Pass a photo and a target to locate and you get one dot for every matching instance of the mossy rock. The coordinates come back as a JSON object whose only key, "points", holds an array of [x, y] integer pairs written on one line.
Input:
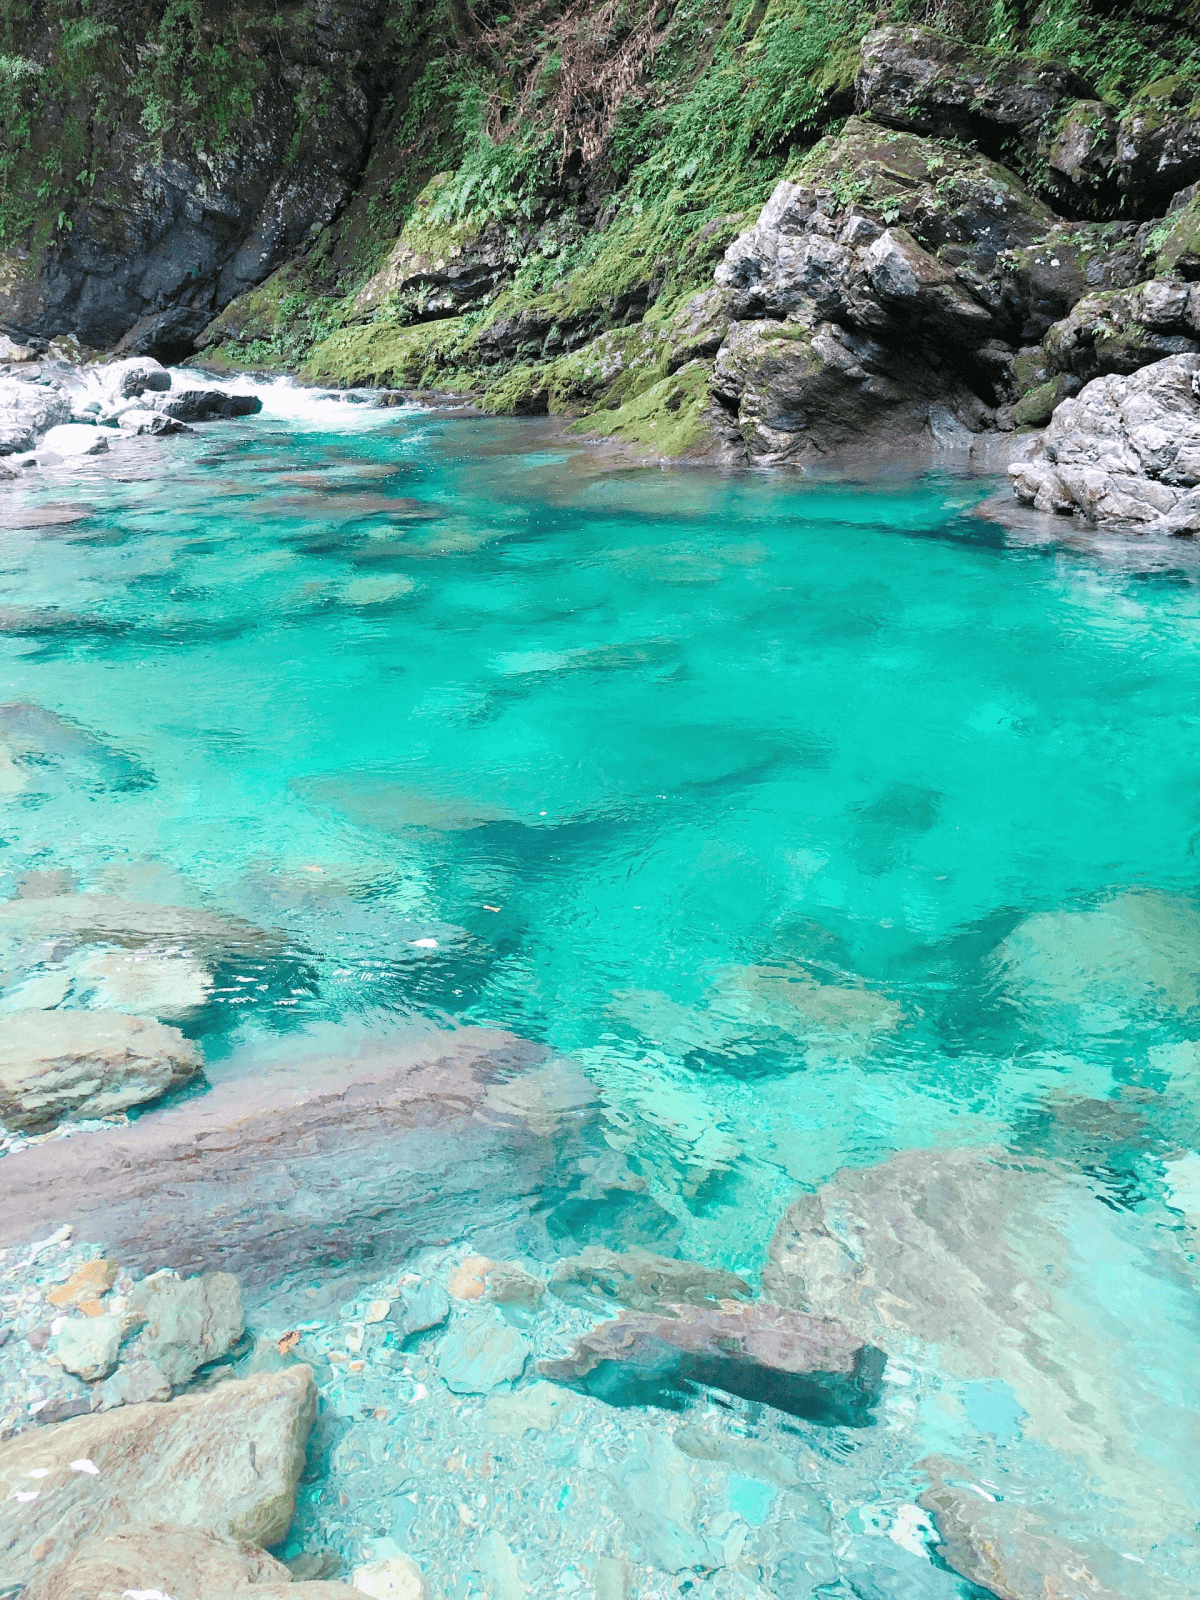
{"points": [[667, 421], [1178, 254], [384, 354], [1035, 409]]}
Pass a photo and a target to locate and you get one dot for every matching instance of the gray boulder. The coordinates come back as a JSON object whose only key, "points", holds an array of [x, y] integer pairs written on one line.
{"points": [[86, 1064], [88, 1346], [809, 1366], [1158, 142], [1126, 449], [225, 1461], [916, 78], [1120, 330], [131, 378], [186, 1322]]}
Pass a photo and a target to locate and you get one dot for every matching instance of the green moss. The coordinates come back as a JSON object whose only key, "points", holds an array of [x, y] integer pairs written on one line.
{"points": [[381, 353], [667, 420], [1034, 410], [1177, 247]]}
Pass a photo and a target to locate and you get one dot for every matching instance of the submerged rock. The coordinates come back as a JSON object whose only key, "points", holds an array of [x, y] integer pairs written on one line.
{"points": [[809, 1366], [652, 1491], [225, 1461], [991, 1267], [391, 1579], [162, 1557], [478, 1353], [1127, 449], [87, 1064], [88, 1346], [185, 1322], [1102, 967], [419, 1307], [641, 1279]]}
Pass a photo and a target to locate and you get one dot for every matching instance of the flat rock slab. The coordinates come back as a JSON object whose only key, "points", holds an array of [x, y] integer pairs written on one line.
{"points": [[641, 1279], [86, 1064], [479, 1353], [1012, 1551], [808, 1366], [225, 1460], [297, 1172]]}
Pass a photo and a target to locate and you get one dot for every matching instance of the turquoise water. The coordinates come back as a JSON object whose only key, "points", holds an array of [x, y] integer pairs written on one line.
{"points": [[812, 822]]}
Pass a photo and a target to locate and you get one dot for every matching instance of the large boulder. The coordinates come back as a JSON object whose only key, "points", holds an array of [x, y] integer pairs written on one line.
{"points": [[198, 404], [641, 1279], [1126, 449], [809, 1366], [1120, 330], [29, 408], [86, 1064], [225, 1461], [167, 1558]]}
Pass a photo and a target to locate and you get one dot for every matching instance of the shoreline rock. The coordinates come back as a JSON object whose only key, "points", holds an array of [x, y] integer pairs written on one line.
{"points": [[1125, 450], [225, 1461]]}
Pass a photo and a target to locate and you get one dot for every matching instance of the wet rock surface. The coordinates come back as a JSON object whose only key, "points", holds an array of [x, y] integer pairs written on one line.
{"points": [[90, 1064], [641, 1279]]}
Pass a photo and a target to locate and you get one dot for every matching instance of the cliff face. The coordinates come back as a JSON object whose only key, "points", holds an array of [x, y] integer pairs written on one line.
{"points": [[762, 229]]}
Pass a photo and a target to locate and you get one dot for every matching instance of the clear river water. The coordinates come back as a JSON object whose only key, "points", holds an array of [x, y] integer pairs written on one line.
{"points": [[811, 826]]}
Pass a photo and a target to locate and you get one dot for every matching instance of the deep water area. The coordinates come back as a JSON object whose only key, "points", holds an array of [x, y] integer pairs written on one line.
{"points": [[710, 835]]}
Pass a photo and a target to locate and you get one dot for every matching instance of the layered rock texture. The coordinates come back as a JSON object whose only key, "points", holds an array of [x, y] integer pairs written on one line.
{"points": [[756, 235]]}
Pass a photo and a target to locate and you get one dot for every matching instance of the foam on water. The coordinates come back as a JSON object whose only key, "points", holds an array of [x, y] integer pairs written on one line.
{"points": [[813, 822]]}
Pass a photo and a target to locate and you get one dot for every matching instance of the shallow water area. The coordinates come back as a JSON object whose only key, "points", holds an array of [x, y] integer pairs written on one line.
{"points": [[645, 849]]}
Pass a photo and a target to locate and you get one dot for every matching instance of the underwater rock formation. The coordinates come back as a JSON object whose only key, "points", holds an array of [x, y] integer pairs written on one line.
{"points": [[809, 1366]]}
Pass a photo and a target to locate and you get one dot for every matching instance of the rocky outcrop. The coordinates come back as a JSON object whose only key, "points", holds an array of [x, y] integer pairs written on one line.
{"points": [[1158, 142], [86, 1064], [175, 1561], [30, 405], [225, 1461], [809, 1366], [919, 79], [1121, 330], [1126, 449], [170, 230]]}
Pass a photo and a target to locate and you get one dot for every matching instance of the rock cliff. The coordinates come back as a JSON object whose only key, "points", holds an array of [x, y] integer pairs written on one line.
{"points": [[745, 231]]}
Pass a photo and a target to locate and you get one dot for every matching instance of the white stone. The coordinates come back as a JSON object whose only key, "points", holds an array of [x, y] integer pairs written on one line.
{"points": [[391, 1579], [88, 1346], [72, 439]]}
